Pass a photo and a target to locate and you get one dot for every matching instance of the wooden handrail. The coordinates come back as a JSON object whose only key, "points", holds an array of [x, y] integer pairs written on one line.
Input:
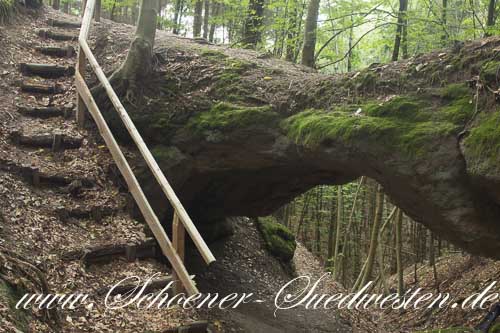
{"points": [[148, 157], [85, 99]]}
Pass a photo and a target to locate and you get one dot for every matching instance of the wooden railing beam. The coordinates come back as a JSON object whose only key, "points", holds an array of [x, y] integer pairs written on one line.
{"points": [[134, 187], [148, 157]]}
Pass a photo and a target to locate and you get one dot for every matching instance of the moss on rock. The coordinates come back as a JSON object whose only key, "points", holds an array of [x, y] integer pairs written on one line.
{"points": [[482, 145], [404, 123], [279, 241], [226, 117], [490, 71]]}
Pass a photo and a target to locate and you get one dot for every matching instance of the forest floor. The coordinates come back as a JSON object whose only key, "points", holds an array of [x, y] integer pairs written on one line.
{"points": [[459, 274]]}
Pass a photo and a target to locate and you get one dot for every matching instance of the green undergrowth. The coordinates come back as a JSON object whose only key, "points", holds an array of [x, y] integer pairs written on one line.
{"points": [[483, 142], [490, 71], [7, 8], [407, 123], [226, 117], [279, 241]]}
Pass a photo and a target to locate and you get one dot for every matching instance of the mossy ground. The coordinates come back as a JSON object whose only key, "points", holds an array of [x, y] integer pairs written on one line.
{"points": [[406, 123], [279, 241]]}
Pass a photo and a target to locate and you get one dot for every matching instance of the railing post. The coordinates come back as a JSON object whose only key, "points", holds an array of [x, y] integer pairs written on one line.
{"points": [[81, 108], [178, 242]]}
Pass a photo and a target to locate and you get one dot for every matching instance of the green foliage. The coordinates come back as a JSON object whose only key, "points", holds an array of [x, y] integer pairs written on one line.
{"points": [[226, 117], [405, 123], [279, 241], [490, 71], [483, 142], [7, 8]]}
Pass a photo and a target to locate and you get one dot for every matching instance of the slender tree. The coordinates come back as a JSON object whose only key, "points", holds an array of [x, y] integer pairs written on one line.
{"points": [[399, 244], [198, 18], [403, 7], [253, 26], [309, 46], [490, 22], [206, 18], [370, 260]]}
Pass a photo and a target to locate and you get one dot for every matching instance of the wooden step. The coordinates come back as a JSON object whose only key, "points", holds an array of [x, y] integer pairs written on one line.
{"points": [[63, 24], [41, 88], [95, 213], [34, 176], [55, 141], [55, 51], [48, 34], [107, 253], [46, 70], [152, 286], [45, 112]]}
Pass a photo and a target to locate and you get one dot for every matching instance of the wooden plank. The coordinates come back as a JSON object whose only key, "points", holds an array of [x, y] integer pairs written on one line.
{"points": [[148, 157], [88, 10], [178, 240], [134, 187]]}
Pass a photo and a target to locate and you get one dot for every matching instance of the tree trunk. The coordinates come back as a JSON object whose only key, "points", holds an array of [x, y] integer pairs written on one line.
{"points": [[444, 20], [491, 17], [310, 33], [138, 63], [206, 18], [399, 244], [197, 18], [177, 16], [215, 12], [370, 260], [340, 212], [97, 11], [331, 231], [252, 33], [291, 36], [56, 4], [403, 6]]}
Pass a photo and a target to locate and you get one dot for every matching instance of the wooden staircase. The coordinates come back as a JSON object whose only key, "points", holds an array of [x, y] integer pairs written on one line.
{"points": [[172, 249]]}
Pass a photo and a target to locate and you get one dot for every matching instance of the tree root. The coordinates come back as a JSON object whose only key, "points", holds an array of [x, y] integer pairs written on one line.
{"points": [[18, 272]]}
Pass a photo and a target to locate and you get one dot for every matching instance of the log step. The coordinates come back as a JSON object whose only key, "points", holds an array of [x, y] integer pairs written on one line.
{"points": [[46, 70], [45, 112], [48, 34], [79, 212], [34, 176], [63, 24], [41, 88], [55, 141], [107, 253], [54, 51], [152, 286]]}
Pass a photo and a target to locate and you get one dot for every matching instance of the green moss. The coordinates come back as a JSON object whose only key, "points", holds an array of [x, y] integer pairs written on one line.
{"points": [[405, 123], [455, 91], [279, 241], [490, 71], [213, 55], [483, 142], [227, 116], [495, 329]]}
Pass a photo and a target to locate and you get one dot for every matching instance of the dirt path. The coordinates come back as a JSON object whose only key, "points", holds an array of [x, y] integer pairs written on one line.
{"points": [[245, 266]]}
